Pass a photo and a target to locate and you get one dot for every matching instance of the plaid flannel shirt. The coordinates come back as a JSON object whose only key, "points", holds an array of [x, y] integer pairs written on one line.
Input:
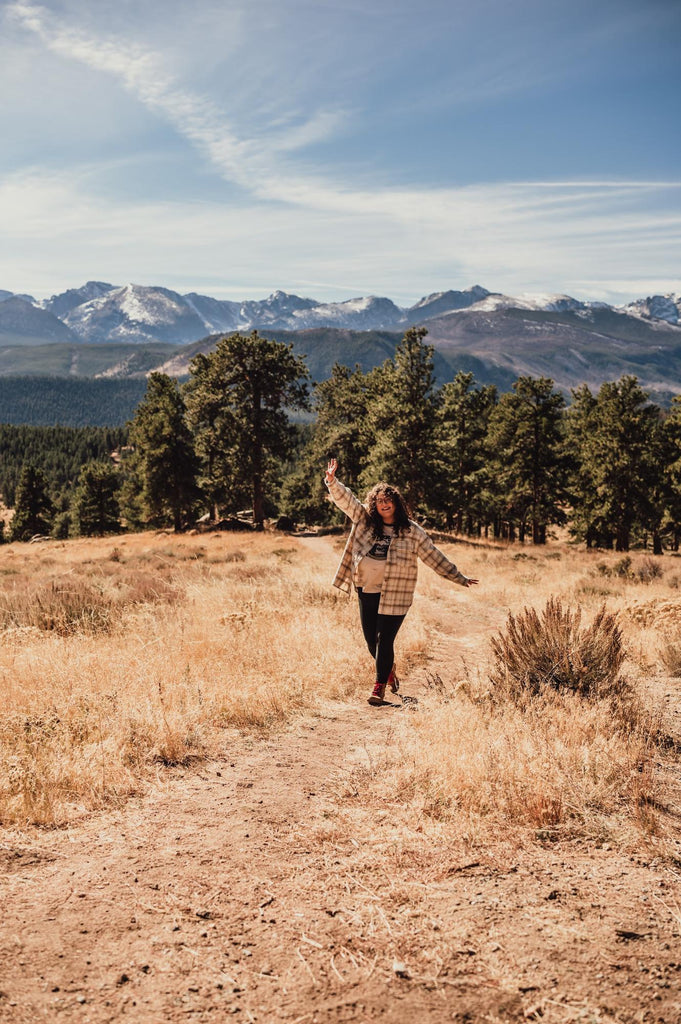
{"points": [[401, 568]]}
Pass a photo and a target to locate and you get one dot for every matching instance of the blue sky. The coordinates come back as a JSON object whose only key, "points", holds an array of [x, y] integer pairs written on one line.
{"points": [[341, 149]]}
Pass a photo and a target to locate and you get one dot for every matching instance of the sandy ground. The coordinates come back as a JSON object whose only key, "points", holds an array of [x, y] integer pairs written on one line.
{"points": [[262, 887]]}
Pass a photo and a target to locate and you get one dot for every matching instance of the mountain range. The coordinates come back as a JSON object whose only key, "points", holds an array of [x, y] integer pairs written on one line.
{"points": [[104, 330]]}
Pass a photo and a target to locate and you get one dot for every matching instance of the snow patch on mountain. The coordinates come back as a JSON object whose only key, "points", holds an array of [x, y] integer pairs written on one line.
{"points": [[656, 307], [62, 304], [360, 314], [544, 303], [136, 313]]}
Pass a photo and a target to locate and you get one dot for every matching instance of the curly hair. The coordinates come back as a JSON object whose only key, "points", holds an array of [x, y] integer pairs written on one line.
{"points": [[401, 523]]}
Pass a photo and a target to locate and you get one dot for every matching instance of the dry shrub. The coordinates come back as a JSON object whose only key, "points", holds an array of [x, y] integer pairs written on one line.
{"points": [[649, 569], [548, 650], [148, 588], [63, 606], [658, 613], [670, 654]]}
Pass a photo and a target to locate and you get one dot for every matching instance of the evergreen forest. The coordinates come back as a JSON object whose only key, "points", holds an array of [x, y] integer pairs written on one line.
{"points": [[69, 401], [516, 465]]}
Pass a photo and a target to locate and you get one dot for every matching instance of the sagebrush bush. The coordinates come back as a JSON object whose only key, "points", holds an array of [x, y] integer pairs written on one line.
{"points": [[538, 652], [670, 653], [649, 569], [63, 606]]}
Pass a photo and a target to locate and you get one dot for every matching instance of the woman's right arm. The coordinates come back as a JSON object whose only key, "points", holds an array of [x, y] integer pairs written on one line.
{"points": [[342, 495]]}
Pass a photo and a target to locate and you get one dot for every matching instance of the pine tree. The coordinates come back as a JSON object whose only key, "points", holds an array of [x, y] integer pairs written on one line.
{"points": [[96, 510], [463, 423], [527, 465], [579, 424], [34, 508], [402, 419], [341, 431], [163, 468], [616, 461], [237, 401], [670, 471]]}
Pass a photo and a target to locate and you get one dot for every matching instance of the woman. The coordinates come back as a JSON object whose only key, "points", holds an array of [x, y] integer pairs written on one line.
{"points": [[380, 559]]}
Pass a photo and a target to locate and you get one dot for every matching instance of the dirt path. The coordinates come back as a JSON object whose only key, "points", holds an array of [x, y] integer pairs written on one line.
{"points": [[259, 887]]}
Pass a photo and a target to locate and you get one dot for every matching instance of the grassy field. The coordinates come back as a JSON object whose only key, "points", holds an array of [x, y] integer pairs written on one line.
{"points": [[122, 656]]}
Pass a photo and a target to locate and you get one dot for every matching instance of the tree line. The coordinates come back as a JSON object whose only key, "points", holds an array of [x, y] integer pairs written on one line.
{"points": [[467, 458]]}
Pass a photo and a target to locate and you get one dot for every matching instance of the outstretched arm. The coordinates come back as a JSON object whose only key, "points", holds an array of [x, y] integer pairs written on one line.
{"points": [[341, 495], [437, 560]]}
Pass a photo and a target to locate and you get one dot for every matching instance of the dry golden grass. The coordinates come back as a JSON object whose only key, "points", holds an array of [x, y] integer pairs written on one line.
{"points": [[119, 657]]}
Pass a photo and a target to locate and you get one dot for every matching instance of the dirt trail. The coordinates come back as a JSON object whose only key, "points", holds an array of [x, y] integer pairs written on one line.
{"points": [[239, 890]]}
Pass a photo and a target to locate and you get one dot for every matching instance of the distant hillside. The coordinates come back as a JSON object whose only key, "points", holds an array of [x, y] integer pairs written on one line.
{"points": [[78, 360], [321, 348], [50, 401], [572, 347], [21, 323]]}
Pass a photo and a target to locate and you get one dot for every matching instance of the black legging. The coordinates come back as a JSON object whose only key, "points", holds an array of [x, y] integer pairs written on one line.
{"points": [[379, 632]]}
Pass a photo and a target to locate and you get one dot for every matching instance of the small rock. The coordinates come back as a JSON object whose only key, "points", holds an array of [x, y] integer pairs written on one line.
{"points": [[400, 969]]}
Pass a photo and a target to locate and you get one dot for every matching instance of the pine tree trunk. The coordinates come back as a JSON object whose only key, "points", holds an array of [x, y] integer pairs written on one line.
{"points": [[622, 540]]}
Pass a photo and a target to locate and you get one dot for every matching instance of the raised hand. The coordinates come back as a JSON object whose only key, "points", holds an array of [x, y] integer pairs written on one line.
{"points": [[331, 471]]}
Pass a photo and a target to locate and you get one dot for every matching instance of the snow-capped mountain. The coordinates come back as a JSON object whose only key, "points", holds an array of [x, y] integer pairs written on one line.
{"points": [[657, 307], [445, 302], [275, 310], [62, 304], [362, 314], [99, 312], [547, 303], [136, 314]]}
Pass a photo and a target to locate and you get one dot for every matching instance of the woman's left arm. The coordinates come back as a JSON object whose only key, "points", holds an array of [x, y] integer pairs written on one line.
{"points": [[437, 560]]}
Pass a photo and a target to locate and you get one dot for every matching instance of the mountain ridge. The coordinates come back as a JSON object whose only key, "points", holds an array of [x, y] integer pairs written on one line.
{"points": [[99, 312], [127, 332]]}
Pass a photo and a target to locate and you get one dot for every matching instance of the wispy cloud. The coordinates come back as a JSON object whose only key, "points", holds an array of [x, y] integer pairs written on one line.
{"points": [[319, 226], [482, 236], [246, 162]]}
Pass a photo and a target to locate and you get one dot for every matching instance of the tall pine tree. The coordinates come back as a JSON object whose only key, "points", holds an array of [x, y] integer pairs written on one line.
{"points": [[402, 417], [615, 461], [34, 509], [463, 422], [96, 510], [527, 465], [162, 471], [237, 400]]}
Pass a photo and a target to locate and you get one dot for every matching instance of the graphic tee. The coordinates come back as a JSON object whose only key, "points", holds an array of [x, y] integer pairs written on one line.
{"points": [[371, 568]]}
